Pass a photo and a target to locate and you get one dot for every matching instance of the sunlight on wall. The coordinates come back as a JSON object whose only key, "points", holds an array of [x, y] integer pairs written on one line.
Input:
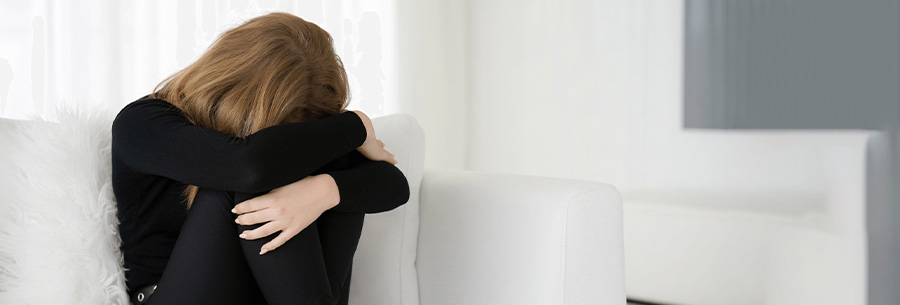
{"points": [[109, 54]]}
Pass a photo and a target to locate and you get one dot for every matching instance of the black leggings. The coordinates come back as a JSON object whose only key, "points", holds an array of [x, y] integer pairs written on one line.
{"points": [[210, 264]]}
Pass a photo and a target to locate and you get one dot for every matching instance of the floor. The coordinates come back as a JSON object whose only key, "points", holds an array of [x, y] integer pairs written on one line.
{"points": [[639, 302]]}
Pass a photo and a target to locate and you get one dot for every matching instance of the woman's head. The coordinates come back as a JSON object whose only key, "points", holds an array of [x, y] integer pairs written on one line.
{"points": [[272, 69]]}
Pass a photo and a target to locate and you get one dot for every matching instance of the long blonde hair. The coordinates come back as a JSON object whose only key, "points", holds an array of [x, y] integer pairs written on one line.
{"points": [[273, 69]]}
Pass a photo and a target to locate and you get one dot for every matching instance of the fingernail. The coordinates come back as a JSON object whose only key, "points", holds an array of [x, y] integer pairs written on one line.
{"points": [[263, 251], [236, 220], [234, 211], [243, 235]]}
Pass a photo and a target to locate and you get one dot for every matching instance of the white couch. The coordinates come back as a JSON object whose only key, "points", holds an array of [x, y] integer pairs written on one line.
{"points": [[751, 217], [463, 238]]}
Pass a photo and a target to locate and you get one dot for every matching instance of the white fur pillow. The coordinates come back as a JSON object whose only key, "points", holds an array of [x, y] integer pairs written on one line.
{"points": [[59, 242]]}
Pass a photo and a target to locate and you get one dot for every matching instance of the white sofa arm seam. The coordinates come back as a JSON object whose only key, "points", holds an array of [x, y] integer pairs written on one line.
{"points": [[566, 238]]}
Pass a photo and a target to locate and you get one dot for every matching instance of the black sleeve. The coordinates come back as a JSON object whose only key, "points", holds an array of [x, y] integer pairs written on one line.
{"points": [[370, 187], [364, 186], [154, 137]]}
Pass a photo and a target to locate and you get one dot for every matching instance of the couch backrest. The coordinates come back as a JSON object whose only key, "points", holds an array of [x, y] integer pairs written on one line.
{"points": [[384, 270]]}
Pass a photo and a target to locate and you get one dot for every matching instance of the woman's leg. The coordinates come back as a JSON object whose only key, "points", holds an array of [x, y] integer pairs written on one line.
{"points": [[336, 235], [339, 234], [210, 264], [207, 265], [294, 273]]}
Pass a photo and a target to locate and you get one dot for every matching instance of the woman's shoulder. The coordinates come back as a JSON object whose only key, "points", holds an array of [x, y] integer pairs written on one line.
{"points": [[148, 101], [143, 111], [146, 105]]}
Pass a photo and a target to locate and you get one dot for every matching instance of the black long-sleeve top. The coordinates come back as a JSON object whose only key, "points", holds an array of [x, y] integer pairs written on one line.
{"points": [[157, 152]]}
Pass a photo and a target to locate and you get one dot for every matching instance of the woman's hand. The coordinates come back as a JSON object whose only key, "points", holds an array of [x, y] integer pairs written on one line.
{"points": [[375, 151], [289, 209], [372, 148]]}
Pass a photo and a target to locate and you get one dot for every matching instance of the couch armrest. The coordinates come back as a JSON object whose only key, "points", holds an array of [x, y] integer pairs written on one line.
{"points": [[512, 239]]}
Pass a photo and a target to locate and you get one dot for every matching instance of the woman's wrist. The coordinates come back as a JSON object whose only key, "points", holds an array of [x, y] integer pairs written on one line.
{"points": [[332, 195], [367, 122]]}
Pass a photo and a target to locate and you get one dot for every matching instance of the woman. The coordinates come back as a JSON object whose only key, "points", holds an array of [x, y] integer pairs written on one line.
{"points": [[243, 179]]}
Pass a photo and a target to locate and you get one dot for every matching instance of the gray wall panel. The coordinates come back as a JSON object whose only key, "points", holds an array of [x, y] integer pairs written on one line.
{"points": [[770, 64]]}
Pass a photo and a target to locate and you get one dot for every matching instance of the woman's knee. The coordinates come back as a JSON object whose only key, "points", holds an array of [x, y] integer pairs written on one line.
{"points": [[213, 201]]}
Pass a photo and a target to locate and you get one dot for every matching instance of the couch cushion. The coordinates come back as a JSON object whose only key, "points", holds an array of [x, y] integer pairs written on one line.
{"points": [[384, 266]]}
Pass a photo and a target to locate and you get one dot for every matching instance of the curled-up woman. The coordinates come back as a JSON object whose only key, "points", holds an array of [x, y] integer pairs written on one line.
{"points": [[243, 179]]}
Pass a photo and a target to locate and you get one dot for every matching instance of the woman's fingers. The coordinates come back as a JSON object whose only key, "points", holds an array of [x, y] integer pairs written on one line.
{"points": [[279, 240], [386, 156], [390, 158], [250, 205], [262, 231], [255, 217]]}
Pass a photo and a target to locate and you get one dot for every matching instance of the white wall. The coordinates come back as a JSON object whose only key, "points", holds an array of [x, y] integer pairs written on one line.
{"points": [[434, 69], [573, 88]]}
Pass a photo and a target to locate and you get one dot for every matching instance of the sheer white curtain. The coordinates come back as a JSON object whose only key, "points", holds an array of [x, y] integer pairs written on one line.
{"points": [[109, 53]]}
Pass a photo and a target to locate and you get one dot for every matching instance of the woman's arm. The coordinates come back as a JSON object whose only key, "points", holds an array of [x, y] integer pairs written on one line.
{"points": [[370, 187], [366, 187], [154, 137]]}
